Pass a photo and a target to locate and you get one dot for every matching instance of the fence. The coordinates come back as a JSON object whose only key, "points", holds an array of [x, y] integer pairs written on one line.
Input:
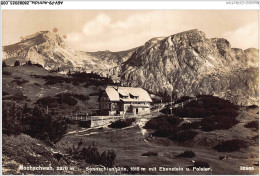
{"points": [[79, 117], [95, 120], [183, 103], [103, 120]]}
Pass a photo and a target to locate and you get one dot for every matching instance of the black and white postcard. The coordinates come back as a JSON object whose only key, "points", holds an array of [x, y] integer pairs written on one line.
{"points": [[130, 88]]}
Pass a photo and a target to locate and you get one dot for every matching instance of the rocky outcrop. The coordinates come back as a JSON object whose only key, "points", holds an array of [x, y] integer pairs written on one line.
{"points": [[188, 64], [51, 51]]}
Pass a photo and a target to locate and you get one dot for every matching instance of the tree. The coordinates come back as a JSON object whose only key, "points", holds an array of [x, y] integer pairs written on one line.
{"points": [[69, 72], [29, 62], [10, 120], [25, 110], [4, 64], [17, 63]]}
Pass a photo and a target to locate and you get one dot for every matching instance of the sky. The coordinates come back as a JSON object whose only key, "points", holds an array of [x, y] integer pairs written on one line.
{"points": [[118, 30]]}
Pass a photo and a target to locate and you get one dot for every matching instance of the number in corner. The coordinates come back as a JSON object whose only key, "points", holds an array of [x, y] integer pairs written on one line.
{"points": [[4, 2]]}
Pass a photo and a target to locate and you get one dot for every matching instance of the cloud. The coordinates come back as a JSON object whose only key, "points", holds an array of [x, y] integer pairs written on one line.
{"points": [[97, 26], [243, 37], [74, 37], [109, 32], [103, 33]]}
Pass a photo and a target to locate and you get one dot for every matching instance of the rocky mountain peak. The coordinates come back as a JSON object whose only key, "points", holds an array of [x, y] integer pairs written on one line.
{"points": [[38, 48], [49, 37], [51, 51], [40, 39], [189, 63]]}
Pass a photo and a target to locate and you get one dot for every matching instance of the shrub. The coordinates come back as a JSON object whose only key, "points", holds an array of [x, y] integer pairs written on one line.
{"points": [[6, 73], [231, 145], [91, 79], [29, 62], [227, 112], [84, 124], [255, 138], [162, 122], [20, 82], [187, 154], [10, 122], [17, 63], [182, 99], [152, 123], [79, 96], [195, 104], [69, 73], [165, 131], [66, 98], [48, 101], [92, 155], [33, 122], [51, 80], [184, 135], [4, 64], [69, 121], [188, 126], [58, 99], [174, 134], [201, 164], [165, 125], [16, 97], [217, 123], [42, 126], [38, 65], [210, 101], [191, 112], [252, 107], [17, 77], [205, 106], [4, 93], [149, 153], [122, 123], [252, 124], [77, 78]]}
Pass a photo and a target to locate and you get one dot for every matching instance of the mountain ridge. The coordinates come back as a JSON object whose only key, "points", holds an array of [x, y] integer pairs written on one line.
{"points": [[51, 51], [186, 63]]}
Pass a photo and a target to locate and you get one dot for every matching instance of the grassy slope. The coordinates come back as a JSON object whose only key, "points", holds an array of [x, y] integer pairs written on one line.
{"points": [[35, 88], [129, 145], [29, 152], [32, 151]]}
